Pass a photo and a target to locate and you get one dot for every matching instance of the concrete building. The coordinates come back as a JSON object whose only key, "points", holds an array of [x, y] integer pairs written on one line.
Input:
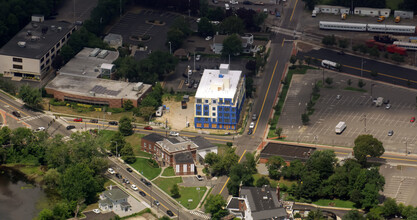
{"points": [[29, 54], [114, 40], [330, 9], [256, 203], [114, 199], [247, 43], [219, 98], [404, 14], [286, 151], [178, 152], [78, 81], [372, 11]]}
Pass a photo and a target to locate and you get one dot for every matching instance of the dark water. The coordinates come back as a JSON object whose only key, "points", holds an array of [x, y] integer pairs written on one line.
{"points": [[18, 195]]}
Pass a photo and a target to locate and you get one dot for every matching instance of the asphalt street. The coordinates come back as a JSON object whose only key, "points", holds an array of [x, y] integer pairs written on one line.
{"points": [[352, 64]]}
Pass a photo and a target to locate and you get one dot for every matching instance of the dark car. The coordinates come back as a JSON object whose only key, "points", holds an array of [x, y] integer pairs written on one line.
{"points": [[250, 131], [113, 123], [142, 193], [247, 3], [129, 169], [143, 180], [148, 183], [69, 127], [341, 52], [386, 101], [94, 121], [17, 114], [169, 212], [110, 154], [118, 176]]}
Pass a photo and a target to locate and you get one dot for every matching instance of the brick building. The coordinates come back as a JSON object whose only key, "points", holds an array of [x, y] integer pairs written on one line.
{"points": [[286, 151]]}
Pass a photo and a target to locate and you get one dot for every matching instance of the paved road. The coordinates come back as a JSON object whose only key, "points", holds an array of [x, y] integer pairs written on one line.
{"points": [[351, 64], [152, 193]]}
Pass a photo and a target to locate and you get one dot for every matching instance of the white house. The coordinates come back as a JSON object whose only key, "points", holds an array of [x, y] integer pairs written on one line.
{"points": [[114, 199], [203, 147], [247, 43], [330, 9], [372, 11], [404, 14]]}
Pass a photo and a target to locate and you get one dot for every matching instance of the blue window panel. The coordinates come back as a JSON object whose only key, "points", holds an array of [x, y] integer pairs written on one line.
{"points": [[220, 108], [206, 113], [198, 107], [198, 112]]}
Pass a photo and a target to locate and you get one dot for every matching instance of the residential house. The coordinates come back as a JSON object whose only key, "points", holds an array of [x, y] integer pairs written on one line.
{"points": [[203, 147], [114, 199], [247, 43]]}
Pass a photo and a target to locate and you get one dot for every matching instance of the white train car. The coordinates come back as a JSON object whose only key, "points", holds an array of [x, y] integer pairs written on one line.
{"points": [[342, 26], [401, 29], [377, 28], [406, 45]]}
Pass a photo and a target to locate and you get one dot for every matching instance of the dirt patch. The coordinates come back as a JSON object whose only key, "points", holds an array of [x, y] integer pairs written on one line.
{"points": [[146, 216]]}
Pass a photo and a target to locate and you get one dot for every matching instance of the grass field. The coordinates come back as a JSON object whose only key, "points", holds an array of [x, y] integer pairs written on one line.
{"points": [[142, 166], [134, 140], [335, 203], [167, 183], [169, 171]]}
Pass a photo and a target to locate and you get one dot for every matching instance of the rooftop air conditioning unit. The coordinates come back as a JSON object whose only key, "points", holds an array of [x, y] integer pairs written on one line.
{"points": [[95, 52], [103, 54]]}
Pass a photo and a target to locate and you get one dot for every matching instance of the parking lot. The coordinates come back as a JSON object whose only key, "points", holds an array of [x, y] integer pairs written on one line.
{"points": [[355, 108], [399, 183]]}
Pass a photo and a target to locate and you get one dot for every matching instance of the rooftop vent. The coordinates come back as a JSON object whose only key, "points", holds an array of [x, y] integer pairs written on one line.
{"points": [[95, 52], [103, 54], [53, 27], [21, 44], [59, 28], [265, 197]]}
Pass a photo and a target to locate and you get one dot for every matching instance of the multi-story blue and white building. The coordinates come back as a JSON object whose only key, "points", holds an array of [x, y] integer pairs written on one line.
{"points": [[219, 98]]}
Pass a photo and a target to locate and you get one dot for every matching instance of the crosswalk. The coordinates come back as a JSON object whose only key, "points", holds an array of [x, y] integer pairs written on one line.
{"points": [[30, 118], [201, 214]]}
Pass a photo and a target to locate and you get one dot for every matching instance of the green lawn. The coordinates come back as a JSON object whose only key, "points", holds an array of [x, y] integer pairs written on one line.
{"points": [[273, 182], [221, 148], [185, 192], [393, 4], [169, 171], [355, 89], [140, 153], [134, 140], [335, 203], [142, 166]]}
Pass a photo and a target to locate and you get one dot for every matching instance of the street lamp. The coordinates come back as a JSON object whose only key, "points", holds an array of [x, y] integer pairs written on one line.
{"points": [[170, 50], [362, 66], [116, 147], [372, 86]]}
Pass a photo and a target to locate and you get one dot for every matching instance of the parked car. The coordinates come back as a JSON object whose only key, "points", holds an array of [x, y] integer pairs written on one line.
{"points": [[250, 131], [148, 128], [118, 175], [247, 3], [199, 177], [413, 119], [252, 125], [134, 187], [195, 85], [278, 15], [169, 212], [142, 193], [148, 183], [113, 123], [17, 114], [338, 97], [78, 119], [111, 171], [390, 133], [97, 211], [40, 129], [69, 127], [388, 106], [254, 117], [94, 121], [156, 203], [341, 52], [173, 133], [129, 169], [209, 38], [198, 57], [126, 181]]}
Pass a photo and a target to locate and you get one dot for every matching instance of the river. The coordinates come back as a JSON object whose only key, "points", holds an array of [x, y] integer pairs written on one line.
{"points": [[18, 195]]}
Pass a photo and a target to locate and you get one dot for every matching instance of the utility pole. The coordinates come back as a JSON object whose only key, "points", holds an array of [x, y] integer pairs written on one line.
{"points": [[120, 8]]}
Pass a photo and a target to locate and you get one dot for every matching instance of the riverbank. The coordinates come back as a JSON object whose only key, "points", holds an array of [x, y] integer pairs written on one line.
{"points": [[32, 172]]}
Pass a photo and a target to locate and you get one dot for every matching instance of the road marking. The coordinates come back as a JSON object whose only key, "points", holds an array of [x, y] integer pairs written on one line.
{"points": [[187, 135], [228, 178], [266, 95], [295, 5], [14, 107], [283, 40]]}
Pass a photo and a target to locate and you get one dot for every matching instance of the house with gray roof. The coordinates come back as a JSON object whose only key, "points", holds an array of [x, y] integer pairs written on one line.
{"points": [[203, 147], [114, 199]]}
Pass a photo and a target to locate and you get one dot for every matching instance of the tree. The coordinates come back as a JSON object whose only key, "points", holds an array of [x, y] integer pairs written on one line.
{"points": [[232, 25], [125, 126], [212, 158], [315, 215], [278, 131], [181, 24], [353, 215], [305, 119], [293, 59], [51, 178], [175, 36], [397, 58], [232, 45], [329, 81], [390, 208], [215, 206], [128, 105], [409, 5], [310, 4], [343, 43], [262, 182], [146, 112], [374, 52], [250, 163], [274, 165], [205, 27], [46, 214], [31, 96], [323, 162], [329, 40], [175, 191], [294, 171], [367, 145], [239, 174], [370, 196], [361, 83], [117, 142]]}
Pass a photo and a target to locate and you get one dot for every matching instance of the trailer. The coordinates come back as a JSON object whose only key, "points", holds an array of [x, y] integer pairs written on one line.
{"points": [[340, 127], [406, 45]]}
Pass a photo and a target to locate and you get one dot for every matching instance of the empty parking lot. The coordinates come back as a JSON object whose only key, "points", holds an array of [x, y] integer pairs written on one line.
{"points": [[355, 108]]}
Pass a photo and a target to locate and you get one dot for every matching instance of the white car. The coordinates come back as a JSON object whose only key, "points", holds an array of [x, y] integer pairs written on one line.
{"points": [[199, 177], [198, 57], [97, 211], [40, 129], [111, 171], [208, 38], [134, 187], [252, 125], [198, 20], [173, 133], [234, 2], [388, 106]]}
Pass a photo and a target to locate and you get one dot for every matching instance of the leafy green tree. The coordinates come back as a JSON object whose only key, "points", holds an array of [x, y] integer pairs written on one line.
{"points": [[164, 218], [390, 208], [353, 215], [315, 215], [375, 213], [262, 182], [212, 158], [293, 59], [183, 25], [294, 171], [31, 96], [239, 174], [128, 105], [374, 52], [232, 45], [117, 142], [361, 83], [340, 184], [397, 58], [205, 27], [310, 186], [305, 119], [125, 126], [62, 210], [215, 206], [370, 196], [329, 40], [322, 162], [329, 81], [46, 214], [176, 37], [250, 88], [274, 165], [367, 145], [127, 150], [278, 131], [343, 43], [146, 112], [215, 14], [175, 191], [250, 162], [310, 4], [51, 178], [232, 25]]}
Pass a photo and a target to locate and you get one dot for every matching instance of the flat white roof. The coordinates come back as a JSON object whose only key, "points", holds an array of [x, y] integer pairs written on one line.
{"points": [[216, 85]]}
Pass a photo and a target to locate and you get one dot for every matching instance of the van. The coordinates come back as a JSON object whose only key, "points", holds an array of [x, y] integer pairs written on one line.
{"points": [[397, 19], [340, 127], [227, 6], [381, 18], [159, 112], [343, 16], [314, 14]]}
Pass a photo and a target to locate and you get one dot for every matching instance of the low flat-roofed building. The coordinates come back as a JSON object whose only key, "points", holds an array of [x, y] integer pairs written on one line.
{"points": [[286, 151], [29, 54], [114, 40], [77, 81]]}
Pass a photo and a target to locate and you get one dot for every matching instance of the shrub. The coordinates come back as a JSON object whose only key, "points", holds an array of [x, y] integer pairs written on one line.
{"points": [[56, 102], [129, 159], [153, 163]]}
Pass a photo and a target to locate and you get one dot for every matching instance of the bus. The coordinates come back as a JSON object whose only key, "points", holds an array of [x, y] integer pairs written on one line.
{"points": [[331, 65]]}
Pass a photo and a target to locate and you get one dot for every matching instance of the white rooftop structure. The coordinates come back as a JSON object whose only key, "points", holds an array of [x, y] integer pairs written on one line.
{"points": [[221, 83]]}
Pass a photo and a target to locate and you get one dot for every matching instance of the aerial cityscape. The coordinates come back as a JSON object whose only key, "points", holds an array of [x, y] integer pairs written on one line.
{"points": [[208, 109]]}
